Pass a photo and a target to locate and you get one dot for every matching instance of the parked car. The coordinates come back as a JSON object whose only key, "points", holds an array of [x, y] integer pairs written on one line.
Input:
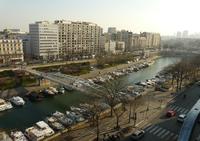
{"points": [[181, 118], [137, 135], [170, 113]]}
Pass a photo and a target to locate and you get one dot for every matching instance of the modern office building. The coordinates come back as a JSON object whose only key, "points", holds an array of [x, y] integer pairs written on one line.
{"points": [[44, 40], [11, 51], [78, 39]]}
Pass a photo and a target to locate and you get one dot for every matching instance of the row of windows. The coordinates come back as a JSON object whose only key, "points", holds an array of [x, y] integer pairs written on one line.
{"points": [[9, 45]]}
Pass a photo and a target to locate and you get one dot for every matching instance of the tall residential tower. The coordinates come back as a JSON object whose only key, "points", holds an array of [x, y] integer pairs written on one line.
{"points": [[78, 39]]}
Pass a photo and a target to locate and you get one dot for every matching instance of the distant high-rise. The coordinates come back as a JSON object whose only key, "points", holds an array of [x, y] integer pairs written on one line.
{"points": [[185, 34], [125, 36], [112, 30], [178, 35], [44, 40]]}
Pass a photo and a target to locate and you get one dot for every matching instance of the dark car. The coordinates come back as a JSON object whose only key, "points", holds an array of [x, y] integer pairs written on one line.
{"points": [[170, 113], [137, 135]]}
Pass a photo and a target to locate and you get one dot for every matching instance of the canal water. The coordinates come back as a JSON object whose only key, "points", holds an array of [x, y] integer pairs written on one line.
{"points": [[23, 117]]}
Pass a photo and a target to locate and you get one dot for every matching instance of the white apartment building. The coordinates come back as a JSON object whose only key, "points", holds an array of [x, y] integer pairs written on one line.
{"points": [[110, 46], [11, 51], [78, 39], [44, 40], [120, 47]]}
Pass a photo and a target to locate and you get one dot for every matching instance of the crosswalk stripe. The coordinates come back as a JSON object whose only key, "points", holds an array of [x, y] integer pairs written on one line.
{"points": [[172, 106], [170, 135], [149, 127], [153, 129], [175, 137], [179, 109], [165, 134], [182, 111], [157, 130], [161, 132], [186, 111], [175, 108]]}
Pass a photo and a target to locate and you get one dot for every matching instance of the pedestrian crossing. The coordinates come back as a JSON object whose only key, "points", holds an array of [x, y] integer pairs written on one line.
{"points": [[179, 109], [161, 133]]}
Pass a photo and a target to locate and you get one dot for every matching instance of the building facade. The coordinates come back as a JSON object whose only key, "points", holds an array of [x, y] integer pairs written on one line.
{"points": [[78, 39], [11, 51], [112, 30], [17, 34], [113, 47], [146, 40], [44, 40], [110, 47]]}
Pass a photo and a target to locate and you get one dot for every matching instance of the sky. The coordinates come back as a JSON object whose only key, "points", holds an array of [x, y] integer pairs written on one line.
{"points": [[163, 16]]}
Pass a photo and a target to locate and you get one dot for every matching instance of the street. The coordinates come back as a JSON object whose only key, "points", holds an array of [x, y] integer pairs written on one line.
{"points": [[167, 129]]}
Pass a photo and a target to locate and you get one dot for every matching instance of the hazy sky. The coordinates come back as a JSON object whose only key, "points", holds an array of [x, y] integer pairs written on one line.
{"points": [[164, 16]]}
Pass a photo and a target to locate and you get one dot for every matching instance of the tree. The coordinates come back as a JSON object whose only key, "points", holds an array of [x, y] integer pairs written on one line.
{"points": [[187, 70], [95, 109], [113, 98]]}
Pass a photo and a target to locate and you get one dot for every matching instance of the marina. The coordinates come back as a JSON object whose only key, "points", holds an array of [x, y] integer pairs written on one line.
{"points": [[31, 113]]}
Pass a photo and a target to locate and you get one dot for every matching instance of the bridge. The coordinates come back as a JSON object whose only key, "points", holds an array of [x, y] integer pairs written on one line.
{"points": [[71, 82]]}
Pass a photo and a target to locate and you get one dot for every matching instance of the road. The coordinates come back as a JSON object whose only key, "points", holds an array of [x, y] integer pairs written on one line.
{"points": [[167, 129], [31, 66]]}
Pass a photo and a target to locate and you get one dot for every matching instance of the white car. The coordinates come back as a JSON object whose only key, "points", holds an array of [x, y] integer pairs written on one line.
{"points": [[181, 118], [137, 135]]}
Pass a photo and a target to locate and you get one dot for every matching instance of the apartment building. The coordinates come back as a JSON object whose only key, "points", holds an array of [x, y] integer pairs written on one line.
{"points": [[146, 40], [78, 39], [11, 51], [44, 40], [113, 47]]}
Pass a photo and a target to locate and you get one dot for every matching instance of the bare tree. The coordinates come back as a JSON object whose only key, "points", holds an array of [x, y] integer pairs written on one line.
{"points": [[187, 70], [112, 98], [95, 110]]}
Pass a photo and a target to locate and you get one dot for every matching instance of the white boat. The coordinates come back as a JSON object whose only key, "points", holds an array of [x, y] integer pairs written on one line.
{"points": [[61, 90], [58, 114], [53, 90], [66, 121], [5, 105], [53, 122], [48, 92], [18, 101], [75, 116], [18, 136]]}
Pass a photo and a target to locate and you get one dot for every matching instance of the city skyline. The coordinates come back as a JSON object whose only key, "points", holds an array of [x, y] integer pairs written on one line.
{"points": [[166, 17]]}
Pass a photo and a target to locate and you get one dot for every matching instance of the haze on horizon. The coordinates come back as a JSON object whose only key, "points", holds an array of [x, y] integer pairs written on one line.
{"points": [[164, 16]]}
